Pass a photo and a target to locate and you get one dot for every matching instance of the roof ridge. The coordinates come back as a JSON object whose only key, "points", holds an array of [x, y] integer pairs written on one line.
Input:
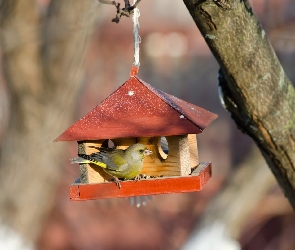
{"points": [[163, 96]]}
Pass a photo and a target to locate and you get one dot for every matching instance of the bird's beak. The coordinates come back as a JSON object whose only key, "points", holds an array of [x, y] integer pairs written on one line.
{"points": [[147, 152]]}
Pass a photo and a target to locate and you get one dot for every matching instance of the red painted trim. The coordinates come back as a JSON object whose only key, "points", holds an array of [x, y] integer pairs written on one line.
{"points": [[167, 185], [137, 109], [134, 71]]}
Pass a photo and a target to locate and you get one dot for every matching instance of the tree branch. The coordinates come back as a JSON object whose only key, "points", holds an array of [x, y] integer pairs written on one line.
{"points": [[126, 11], [256, 89]]}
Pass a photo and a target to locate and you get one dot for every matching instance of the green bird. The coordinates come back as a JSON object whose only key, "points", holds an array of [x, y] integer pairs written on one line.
{"points": [[118, 163]]}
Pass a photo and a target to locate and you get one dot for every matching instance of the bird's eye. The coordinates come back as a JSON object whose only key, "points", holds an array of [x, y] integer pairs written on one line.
{"points": [[141, 150]]}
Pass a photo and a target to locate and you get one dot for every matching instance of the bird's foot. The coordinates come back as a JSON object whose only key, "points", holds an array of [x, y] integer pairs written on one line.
{"points": [[117, 181], [137, 177]]}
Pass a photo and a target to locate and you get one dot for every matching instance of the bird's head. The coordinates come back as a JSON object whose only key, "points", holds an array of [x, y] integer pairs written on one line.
{"points": [[138, 151]]}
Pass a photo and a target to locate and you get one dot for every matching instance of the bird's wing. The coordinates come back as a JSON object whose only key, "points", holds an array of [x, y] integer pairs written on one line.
{"points": [[113, 158]]}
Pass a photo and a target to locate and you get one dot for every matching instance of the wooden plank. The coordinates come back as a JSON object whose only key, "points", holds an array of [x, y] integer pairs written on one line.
{"points": [[184, 154], [90, 173], [193, 150], [155, 164], [194, 182], [176, 164]]}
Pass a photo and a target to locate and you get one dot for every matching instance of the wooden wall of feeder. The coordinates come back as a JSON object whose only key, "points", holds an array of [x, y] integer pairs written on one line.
{"points": [[139, 113]]}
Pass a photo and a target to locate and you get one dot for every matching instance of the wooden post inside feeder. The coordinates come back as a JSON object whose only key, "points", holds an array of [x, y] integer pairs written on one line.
{"points": [[139, 113]]}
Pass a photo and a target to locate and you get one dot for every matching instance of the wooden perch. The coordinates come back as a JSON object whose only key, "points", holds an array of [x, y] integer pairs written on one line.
{"points": [[194, 182]]}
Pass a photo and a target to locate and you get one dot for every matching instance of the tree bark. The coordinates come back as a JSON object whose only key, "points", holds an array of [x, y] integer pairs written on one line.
{"points": [[255, 88], [43, 66]]}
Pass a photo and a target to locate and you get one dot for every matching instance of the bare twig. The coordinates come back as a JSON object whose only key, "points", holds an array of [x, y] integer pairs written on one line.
{"points": [[126, 11]]}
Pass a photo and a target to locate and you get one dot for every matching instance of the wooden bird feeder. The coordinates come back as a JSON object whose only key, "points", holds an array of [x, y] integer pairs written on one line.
{"points": [[139, 113]]}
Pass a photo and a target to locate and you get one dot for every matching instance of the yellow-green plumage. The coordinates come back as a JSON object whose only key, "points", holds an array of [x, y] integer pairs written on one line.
{"points": [[117, 162]]}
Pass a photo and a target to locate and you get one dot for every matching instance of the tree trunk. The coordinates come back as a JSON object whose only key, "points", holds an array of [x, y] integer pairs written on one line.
{"points": [[43, 68], [255, 87]]}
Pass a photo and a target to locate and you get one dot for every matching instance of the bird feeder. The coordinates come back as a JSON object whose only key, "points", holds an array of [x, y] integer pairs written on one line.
{"points": [[139, 113]]}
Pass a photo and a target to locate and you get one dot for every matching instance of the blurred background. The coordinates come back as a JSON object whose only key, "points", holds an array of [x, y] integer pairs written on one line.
{"points": [[242, 195]]}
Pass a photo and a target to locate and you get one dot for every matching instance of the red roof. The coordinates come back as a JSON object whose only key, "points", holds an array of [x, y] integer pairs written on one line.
{"points": [[137, 109]]}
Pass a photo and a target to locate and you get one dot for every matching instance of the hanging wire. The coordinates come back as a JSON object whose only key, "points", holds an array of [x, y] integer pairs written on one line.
{"points": [[137, 38]]}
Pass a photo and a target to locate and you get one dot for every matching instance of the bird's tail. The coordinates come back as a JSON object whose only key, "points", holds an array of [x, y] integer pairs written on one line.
{"points": [[79, 160]]}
